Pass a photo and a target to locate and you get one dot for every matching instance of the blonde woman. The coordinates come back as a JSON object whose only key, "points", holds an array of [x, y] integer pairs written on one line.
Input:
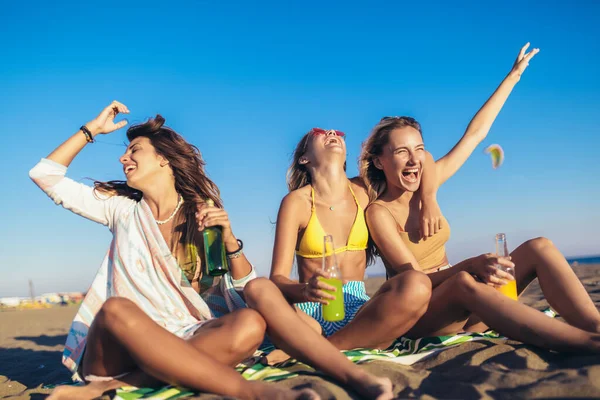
{"points": [[464, 296], [322, 200]]}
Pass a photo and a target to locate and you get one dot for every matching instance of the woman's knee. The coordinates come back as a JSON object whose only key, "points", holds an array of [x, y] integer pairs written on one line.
{"points": [[539, 244], [248, 328], [464, 282], [258, 289], [115, 311], [413, 285]]}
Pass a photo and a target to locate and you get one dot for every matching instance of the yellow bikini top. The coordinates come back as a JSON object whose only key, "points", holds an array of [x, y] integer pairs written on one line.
{"points": [[311, 243]]}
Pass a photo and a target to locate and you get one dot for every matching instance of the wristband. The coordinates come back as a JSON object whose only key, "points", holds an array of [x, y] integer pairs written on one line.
{"points": [[237, 253], [88, 135]]}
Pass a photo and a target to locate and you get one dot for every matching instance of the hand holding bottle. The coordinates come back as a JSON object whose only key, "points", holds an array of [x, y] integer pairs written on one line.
{"points": [[208, 215], [211, 222], [485, 268], [315, 289]]}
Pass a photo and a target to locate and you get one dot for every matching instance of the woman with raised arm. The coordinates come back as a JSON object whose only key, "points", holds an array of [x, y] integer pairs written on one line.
{"points": [[322, 200], [464, 296], [144, 321]]}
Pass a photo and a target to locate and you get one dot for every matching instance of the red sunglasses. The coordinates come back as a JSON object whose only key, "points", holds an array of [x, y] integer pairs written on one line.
{"points": [[319, 131]]}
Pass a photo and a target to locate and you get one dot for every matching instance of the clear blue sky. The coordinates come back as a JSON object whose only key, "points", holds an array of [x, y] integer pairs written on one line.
{"points": [[243, 81]]}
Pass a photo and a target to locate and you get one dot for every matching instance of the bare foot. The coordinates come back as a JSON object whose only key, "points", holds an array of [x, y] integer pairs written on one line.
{"points": [[272, 391], [373, 387], [277, 356], [75, 393]]}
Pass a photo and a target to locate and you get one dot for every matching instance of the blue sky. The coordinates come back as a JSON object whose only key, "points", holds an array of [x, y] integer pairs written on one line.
{"points": [[243, 81]]}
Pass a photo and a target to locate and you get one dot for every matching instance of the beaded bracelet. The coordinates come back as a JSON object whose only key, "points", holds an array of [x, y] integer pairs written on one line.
{"points": [[88, 135], [238, 252]]}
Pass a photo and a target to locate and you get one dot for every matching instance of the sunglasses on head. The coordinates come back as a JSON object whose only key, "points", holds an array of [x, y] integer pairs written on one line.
{"points": [[319, 131]]}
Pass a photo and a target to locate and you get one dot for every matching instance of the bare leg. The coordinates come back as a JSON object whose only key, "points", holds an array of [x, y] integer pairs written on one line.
{"points": [[232, 337], [561, 287], [93, 390], [474, 324], [392, 311], [309, 320], [298, 339], [278, 355], [460, 295], [124, 331]]}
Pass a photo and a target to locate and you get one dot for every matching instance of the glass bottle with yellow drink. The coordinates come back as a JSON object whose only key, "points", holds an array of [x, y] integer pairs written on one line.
{"points": [[334, 311], [510, 289]]}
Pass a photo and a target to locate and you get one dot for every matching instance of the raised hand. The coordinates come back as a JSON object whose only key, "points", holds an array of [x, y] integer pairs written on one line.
{"points": [[105, 121], [208, 216], [522, 61]]}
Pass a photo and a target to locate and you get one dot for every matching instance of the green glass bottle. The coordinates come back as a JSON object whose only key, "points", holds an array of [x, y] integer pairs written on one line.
{"points": [[335, 310], [215, 257]]}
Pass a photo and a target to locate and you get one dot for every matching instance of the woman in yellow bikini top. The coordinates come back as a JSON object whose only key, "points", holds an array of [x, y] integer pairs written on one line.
{"points": [[311, 244], [322, 200]]}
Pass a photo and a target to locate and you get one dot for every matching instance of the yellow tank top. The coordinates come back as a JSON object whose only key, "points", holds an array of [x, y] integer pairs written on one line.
{"points": [[311, 243], [429, 253]]}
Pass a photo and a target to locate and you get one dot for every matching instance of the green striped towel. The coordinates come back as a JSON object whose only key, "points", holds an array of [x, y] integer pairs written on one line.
{"points": [[404, 351]]}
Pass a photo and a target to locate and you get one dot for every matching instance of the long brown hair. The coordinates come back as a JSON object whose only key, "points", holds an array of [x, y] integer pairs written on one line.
{"points": [[372, 148], [373, 177], [186, 162], [297, 174]]}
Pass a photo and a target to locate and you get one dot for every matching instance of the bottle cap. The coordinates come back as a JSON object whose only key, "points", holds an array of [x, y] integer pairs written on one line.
{"points": [[210, 202]]}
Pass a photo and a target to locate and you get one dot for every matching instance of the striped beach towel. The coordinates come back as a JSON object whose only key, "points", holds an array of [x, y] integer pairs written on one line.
{"points": [[404, 351]]}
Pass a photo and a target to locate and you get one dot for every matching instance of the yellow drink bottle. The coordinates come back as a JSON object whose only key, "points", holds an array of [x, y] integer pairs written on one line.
{"points": [[334, 311], [510, 289]]}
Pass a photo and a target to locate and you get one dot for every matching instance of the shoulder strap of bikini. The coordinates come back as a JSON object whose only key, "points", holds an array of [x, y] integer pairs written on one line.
{"points": [[378, 203]]}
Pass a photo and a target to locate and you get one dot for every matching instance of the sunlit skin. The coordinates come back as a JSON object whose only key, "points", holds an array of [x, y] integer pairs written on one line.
{"points": [[465, 297], [121, 334], [387, 315]]}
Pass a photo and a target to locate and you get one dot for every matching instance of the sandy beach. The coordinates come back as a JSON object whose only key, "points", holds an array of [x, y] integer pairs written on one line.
{"points": [[31, 343]]}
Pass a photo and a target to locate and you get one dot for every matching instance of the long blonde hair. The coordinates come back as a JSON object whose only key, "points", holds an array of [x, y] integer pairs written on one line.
{"points": [[373, 177], [297, 174], [372, 148]]}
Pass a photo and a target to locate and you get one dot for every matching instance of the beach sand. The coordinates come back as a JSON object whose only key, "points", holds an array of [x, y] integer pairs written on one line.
{"points": [[31, 343]]}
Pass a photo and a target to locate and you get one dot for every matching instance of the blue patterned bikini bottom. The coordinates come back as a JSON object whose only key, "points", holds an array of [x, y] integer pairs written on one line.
{"points": [[355, 296]]}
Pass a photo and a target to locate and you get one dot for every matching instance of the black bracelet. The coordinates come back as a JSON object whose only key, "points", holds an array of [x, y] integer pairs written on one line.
{"points": [[88, 135], [241, 244]]}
